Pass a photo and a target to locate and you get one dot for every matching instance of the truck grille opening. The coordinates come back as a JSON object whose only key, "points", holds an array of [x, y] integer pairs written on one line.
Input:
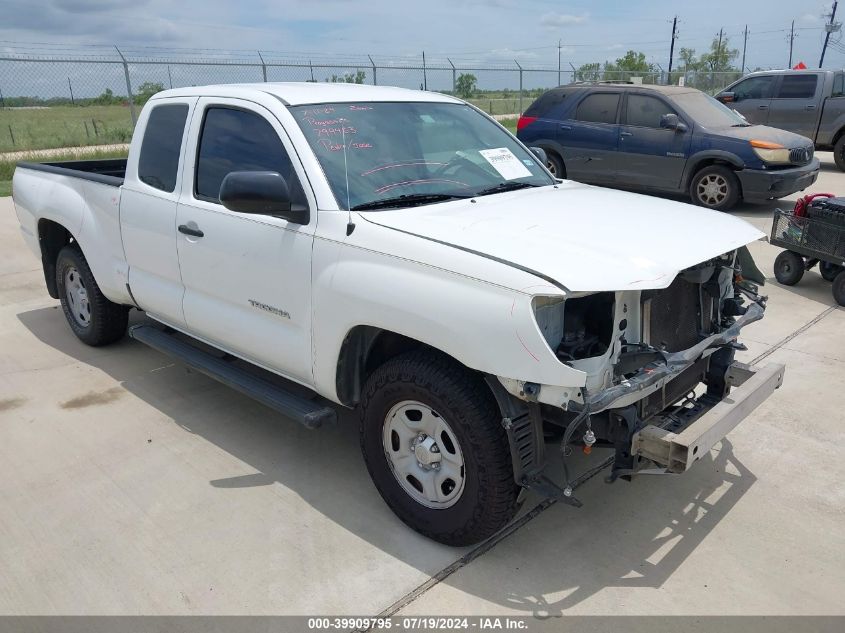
{"points": [[672, 317]]}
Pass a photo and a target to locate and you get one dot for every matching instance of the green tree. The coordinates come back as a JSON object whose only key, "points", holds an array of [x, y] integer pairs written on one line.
{"points": [[689, 62], [349, 78], [720, 57], [147, 90], [465, 85], [633, 62]]}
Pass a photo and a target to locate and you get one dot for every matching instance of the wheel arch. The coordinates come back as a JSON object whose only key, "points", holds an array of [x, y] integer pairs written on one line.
{"points": [[698, 162], [52, 237]]}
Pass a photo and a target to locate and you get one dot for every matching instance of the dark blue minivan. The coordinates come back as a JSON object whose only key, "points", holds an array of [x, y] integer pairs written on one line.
{"points": [[666, 139]]}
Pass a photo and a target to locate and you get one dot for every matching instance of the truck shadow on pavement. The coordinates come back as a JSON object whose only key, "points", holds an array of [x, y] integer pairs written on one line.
{"points": [[627, 535]]}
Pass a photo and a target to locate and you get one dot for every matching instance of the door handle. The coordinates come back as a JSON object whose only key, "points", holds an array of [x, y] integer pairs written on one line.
{"points": [[565, 127], [622, 134], [762, 107], [187, 230], [811, 107]]}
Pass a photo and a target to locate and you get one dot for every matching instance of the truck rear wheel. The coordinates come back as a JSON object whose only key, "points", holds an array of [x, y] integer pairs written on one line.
{"points": [[436, 451], [94, 319], [839, 153], [839, 288]]}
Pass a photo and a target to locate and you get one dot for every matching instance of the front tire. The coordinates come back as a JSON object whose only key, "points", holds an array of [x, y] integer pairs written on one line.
{"points": [[715, 187], [789, 268], [93, 318], [839, 153], [555, 165], [435, 449]]}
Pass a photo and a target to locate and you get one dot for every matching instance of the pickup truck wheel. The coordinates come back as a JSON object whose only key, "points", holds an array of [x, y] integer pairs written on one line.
{"points": [[715, 187], [789, 268], [839, 288], [435, 449], [839, 153], [94, 319]]}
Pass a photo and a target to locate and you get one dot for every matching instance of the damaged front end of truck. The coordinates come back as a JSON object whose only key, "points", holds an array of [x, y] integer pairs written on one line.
{"points": [[661, 386]]}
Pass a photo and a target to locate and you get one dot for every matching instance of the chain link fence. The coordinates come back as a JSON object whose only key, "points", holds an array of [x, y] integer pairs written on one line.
{"points": [[48, 101]]}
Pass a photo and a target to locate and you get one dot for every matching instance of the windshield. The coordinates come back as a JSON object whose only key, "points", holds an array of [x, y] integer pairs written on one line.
{"points": [[398, 154], [707, 112]]}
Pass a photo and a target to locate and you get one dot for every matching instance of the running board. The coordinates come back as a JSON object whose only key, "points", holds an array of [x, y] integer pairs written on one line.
{"points": [[310, 414]]}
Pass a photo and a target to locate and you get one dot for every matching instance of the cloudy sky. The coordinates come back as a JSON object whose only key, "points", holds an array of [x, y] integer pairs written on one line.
{"points": [[489, 30]]}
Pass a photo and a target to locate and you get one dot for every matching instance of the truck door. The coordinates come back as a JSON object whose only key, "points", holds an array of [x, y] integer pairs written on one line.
{"points": [[589, 138], [650, 155], [796, 103], [247, 277], [148, 201], [752, 98]]}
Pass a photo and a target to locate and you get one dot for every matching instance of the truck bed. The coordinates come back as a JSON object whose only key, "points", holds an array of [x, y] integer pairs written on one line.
{"points": [[107, 171]]}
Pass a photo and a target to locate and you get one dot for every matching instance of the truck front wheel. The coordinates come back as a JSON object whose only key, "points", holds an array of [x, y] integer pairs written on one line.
{"points": [[435, 448], [94, 319]]}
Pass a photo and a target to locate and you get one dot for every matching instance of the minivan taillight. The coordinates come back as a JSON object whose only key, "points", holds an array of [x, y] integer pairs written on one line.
{"points": [[525, 121]]}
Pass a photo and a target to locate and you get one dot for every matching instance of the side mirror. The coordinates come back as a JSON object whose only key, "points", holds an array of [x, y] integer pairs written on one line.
{"points": [[726, 97], [262, 193], [540, 153], [672, 122]]}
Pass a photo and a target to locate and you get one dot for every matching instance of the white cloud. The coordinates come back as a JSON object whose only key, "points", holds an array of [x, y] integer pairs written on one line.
{"points": [[556, 20]]}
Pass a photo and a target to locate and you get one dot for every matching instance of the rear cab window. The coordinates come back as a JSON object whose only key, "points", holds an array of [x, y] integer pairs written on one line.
{"points": [[161, 148], [838, 85], [598, 107], [798, 86], [232, 139]]}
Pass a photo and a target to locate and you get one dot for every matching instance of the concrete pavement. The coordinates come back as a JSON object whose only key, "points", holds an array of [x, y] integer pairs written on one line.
{"points": [[131, 486]]}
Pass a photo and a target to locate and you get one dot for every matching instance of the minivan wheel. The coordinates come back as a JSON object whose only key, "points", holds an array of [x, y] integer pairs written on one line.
{"points": [[555, 165], [715, 187], [839, 153], [93, 318], [435, 448]]}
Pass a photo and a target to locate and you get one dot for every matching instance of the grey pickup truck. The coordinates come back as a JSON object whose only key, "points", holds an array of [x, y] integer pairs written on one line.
{"points": [[807, 102]]}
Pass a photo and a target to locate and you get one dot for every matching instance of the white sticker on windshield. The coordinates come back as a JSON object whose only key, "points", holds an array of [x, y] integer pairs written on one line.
{"points": [[505, 163]]}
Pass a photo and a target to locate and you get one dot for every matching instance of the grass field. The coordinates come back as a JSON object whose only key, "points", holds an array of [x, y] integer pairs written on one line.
{"points": [[7, 167], [63, 126]]}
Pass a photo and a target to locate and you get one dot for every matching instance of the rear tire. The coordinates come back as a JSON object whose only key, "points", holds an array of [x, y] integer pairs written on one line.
{"points": [[839, 288], [715, 187], [94, 319], [468, 493], [829, 271], [555, 165], [839, 153], [789, 268]]}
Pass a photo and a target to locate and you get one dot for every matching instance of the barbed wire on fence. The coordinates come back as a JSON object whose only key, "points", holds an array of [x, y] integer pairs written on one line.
{"points": [[105, 86]]}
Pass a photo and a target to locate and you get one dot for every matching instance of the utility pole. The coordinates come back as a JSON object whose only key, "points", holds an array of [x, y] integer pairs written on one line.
{"points": [[744, 46], [672, 46], [791, 40], [558, 62], [830, 28]]}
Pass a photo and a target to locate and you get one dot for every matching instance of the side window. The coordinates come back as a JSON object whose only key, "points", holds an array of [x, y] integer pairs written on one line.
{"points": [[599, 107], [755, 88], [238, 140], [798, 86], [547, 105], [645, 111], [162, 144], [838, 88]]}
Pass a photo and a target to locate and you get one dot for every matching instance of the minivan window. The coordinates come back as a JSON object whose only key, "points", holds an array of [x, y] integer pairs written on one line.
{"points": [[158, 164], [239, 140], [798, 86], [599, 107], [645, 111], [754, 88], [546, 104]]}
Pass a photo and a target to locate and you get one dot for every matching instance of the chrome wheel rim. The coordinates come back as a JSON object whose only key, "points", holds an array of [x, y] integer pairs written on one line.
{"points": [[713, 189], [551, 167], [424, 454], [77, 297]]}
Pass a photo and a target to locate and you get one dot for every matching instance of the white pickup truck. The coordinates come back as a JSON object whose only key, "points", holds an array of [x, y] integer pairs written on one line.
{"points": [[399, 252]]}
